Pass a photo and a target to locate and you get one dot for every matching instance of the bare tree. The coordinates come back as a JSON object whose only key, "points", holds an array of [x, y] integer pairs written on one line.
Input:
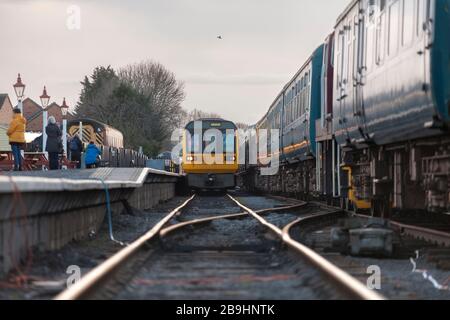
{"points": [[242, 126], [142, 100], [199, 114], [162, 90]]}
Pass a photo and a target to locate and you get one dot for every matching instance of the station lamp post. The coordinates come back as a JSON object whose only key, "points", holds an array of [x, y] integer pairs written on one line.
{"points": [[45, 99], [19, 88], [64, 111]]}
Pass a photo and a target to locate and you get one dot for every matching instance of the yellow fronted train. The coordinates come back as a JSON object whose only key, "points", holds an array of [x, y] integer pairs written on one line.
{"points": [[210, 154]]}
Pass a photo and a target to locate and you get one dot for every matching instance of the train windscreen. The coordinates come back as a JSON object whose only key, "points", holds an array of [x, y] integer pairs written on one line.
{"points": [[204, 138]]}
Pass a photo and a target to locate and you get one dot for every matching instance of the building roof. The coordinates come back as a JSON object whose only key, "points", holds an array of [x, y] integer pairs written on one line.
{"points": [[30, 108], [38, 113], [3, 97]]}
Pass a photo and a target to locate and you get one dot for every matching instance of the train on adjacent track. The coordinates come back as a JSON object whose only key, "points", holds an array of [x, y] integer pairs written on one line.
{"points": [[365, 121], [210, 154]]}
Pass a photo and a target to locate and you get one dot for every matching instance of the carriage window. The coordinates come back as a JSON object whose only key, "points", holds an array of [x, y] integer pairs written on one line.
{"points": [[332, 53], [423, 12], [344, 59], [293, 110], [393, 27], [356, 55], [381, 39], [369, 46], [408, 21], [307, 98], [420, 16], [290, 112], [340, 71]]}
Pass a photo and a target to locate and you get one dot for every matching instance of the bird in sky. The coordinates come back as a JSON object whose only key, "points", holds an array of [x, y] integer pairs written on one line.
{"points": [[219, 37]]}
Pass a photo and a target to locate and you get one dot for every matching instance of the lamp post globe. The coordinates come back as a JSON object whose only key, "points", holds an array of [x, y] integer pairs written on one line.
{"points": [[45, 99], [19, 89], [64, 109]]}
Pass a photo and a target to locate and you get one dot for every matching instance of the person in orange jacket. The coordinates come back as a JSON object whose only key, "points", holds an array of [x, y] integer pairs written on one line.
{"points": [[16, 134]]}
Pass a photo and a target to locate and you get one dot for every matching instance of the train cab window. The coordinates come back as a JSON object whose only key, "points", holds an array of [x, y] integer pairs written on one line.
{"points": [[408, 22], [194, 143], [393, 27], [228, 142]]}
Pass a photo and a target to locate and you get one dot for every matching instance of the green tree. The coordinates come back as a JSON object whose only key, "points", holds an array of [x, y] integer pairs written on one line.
{"points": [[141, 100]]}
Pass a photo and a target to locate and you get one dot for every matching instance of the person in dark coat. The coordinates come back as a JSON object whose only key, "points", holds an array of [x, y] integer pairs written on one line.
{"points": [[76, 147], [54, 143], [91, 156]]}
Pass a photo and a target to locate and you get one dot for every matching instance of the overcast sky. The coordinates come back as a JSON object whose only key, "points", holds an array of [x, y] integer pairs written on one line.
{"points": [[264, 43]]}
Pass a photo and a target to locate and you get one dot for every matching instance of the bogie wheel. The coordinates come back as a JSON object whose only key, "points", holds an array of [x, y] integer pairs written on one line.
{"points": [[375, 208], [385, 209], [343, 202]]}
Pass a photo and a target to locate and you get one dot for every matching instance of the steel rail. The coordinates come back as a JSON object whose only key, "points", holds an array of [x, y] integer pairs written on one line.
{"points": [[94, 279], [340, 277], [430, 235], [166, 231]]}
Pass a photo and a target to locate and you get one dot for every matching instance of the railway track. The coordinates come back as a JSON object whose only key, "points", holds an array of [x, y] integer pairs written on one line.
{"points": [[434, 228], [417, 270], [209, 249]]}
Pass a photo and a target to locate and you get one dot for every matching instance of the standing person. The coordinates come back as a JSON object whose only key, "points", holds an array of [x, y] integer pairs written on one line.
{"points": [[16, 134], [92, 153], [76, 147], [54, 143]]}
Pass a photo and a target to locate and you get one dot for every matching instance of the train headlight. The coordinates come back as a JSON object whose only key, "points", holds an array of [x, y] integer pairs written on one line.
{"points": [[190, 158]]}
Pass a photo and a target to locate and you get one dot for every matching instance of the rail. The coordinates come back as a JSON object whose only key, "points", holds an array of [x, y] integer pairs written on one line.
{"points": [[355, 288], [95, 278]]}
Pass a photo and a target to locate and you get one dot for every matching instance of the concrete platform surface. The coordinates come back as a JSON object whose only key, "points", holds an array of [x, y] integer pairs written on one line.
{"points": [[76, 180]]}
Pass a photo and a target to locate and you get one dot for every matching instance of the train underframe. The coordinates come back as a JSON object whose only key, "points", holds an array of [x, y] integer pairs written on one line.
{"points": [[378, 179], [293, 179], [211, 181], [407, 176]]}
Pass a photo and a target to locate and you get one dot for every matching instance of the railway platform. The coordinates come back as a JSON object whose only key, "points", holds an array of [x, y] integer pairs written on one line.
{"points": [[48, 209]]}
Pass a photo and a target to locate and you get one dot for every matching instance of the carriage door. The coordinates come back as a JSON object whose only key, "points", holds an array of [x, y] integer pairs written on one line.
{"points": [[341, 81], [358, 50], [425, 25]]}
